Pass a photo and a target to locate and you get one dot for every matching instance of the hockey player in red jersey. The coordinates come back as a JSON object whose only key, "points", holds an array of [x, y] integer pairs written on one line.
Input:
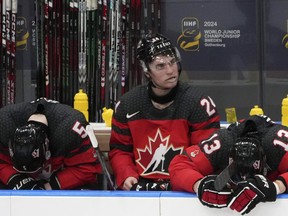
{"points": [[156, 121], [251, 158], [44, 145]]}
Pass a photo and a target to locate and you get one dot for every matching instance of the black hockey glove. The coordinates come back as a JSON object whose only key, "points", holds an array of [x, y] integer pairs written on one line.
{"points": [[151, 186], [209, 196], [251, 192], [23, 182], [54, 183]]}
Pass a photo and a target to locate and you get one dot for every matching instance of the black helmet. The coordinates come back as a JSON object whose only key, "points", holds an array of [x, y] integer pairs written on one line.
{"points": [[151, 46], [248, 154], [29, 148]]}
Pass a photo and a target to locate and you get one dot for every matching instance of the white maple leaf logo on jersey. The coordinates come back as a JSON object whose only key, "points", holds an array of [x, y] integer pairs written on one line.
{"points": [[157, 154]]}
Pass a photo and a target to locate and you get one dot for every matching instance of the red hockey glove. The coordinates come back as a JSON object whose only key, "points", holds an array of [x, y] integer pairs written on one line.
{"points": [[209, 196], [23, 182], [251, 192], [151, 186]]}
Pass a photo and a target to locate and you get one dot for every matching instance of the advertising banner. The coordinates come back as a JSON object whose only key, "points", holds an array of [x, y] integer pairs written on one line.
{"points": [[219, 42], [236, 50], [215, 35]]}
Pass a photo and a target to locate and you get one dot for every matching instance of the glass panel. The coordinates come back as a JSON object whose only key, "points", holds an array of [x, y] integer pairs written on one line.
{"points": [[275, 56], [218, 43]]}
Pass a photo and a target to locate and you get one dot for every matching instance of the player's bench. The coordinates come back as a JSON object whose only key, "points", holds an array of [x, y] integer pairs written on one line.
{"points": [[103, 135]]}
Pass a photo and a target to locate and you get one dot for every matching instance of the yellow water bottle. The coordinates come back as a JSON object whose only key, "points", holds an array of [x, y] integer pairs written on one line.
{"points": [[231, 116], [284, 111], [81, 103], [107, 116], [256, 110]]}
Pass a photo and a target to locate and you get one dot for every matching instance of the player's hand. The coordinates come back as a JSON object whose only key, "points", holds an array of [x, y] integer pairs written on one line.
{"points": [[23, 182], [209, 196], [129, 182], [151, 186], [251, 192]]}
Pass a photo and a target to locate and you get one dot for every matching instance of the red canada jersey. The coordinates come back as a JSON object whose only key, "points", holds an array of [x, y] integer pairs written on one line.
{"points": [[145, 139], [211, 156], [72, 157]]}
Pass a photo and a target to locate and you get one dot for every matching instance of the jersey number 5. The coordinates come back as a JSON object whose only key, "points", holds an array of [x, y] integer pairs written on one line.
{"points": [[78, 128]]}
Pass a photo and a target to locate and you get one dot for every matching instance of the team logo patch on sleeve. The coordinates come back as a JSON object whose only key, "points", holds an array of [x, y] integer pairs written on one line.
{"points": [[194, 153]]}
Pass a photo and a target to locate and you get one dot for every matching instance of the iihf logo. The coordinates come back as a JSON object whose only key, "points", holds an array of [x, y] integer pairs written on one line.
{"points": [[23, 34], [189, 40]]}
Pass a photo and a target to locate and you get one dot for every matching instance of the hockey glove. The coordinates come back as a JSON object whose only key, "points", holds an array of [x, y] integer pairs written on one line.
{"points": [[251, 192], [209, 196], [54, 183], [151, 186], [23, 182]]}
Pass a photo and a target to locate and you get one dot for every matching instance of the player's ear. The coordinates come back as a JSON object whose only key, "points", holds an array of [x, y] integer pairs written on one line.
{"points": [[147, 75]]}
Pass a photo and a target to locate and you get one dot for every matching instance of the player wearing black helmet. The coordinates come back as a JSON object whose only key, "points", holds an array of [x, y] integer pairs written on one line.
{"points": [[156, 121], [29, 148], [237, 167], [150, 48], [44, 145]]}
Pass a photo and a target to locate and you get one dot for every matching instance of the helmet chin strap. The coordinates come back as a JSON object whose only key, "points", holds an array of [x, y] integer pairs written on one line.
{"points": [[155, 85]]}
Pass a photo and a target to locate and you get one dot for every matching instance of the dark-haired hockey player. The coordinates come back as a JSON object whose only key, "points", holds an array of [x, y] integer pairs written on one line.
{"points": [[156, 121], [44, 145], [252, 158]]}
